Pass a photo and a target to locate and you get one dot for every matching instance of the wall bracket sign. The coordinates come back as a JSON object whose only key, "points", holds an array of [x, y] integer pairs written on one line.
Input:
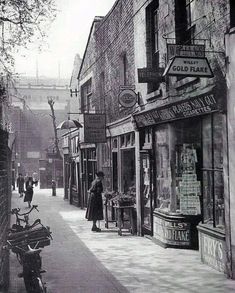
{"points": [[188, 66], [127, 98]]}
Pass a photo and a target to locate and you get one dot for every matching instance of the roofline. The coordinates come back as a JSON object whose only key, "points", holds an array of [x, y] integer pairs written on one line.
{"points": [[96, 19]]}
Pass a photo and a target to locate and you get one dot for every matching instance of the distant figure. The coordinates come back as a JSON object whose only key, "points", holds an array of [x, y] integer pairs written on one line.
{"points": [[35, 178], [53, 187], [26, 177], [95, 204], [20, 184], [29, 191]]}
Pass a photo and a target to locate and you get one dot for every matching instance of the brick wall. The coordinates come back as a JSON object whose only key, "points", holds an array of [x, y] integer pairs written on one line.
{"points": [[5, 187], [111, 37], [114, 38]]}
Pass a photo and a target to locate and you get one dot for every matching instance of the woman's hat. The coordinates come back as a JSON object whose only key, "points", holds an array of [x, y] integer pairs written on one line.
{"points": [[100, 174]]}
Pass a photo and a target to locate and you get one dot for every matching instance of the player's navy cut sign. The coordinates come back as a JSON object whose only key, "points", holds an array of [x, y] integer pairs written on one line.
{"points": [[189, 66]]}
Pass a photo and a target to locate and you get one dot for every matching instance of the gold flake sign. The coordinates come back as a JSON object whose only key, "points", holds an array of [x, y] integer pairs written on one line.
{"points": [[188, 66]]}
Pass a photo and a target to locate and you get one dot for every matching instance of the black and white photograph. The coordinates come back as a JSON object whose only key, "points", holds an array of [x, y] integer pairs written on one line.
{"points": [[117, 146]]}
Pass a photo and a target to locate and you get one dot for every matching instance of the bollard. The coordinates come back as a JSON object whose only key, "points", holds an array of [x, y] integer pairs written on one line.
{"points": [[53, 186]]}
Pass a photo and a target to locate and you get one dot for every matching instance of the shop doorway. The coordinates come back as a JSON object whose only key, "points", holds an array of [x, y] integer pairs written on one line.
{"points": [[147, 201], [115, 171], [89, 168], [128, 170]]}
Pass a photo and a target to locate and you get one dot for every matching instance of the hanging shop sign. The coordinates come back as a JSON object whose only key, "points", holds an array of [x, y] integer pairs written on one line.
{"points": [[190, 107], [94, 128], [197, 51], [127, 98], [188, 66], [148, 75]]}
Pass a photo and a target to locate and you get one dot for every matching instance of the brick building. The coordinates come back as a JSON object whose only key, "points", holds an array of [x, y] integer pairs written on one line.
{"points": [[107, 65], [159, 71]]}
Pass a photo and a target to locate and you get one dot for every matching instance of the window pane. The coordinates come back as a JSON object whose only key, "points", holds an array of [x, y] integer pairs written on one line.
{"points": [[213, 186], [218, 174], [163, 168], [178, 149]]}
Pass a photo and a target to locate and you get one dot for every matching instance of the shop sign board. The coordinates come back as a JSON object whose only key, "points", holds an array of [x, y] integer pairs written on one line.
{"points": [[185, 50], [190, 107], [127, 98], [148, 75], [212, 251], [188, 66], [94, 128], [172, 232]]}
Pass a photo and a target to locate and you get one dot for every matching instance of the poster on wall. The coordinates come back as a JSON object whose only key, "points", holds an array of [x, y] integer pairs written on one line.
{"points": [[189, 186]]}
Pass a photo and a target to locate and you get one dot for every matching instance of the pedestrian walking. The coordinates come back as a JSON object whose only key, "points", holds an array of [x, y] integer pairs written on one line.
{"points": [[94, 210], [35, 178], [29, 191], [20, 184]]}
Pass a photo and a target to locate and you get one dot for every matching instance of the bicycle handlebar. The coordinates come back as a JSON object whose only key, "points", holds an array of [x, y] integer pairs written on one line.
{"points": [[16, 211]]}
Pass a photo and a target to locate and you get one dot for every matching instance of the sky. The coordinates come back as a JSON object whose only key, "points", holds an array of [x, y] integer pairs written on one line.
{"points": [[67, 36]]}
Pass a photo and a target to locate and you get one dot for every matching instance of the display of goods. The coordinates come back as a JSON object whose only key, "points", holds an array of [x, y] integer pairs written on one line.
{"points": [[124, 200]]}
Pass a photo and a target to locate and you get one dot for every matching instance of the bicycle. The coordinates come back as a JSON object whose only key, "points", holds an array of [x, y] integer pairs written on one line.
{"points": [[26, 242]]}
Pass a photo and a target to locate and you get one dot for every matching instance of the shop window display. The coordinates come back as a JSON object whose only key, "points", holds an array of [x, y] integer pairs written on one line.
{"points": [[145, 168], [189, 168], [213, 186], [178, 160]]}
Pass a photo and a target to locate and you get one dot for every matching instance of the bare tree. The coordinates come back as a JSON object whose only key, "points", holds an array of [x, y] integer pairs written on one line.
{"points": [[22, 22], [51, 103]]}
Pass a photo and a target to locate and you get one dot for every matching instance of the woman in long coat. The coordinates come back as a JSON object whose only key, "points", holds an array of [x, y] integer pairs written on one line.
{"points": [[20, 184], [29, 191], [94, 210]]}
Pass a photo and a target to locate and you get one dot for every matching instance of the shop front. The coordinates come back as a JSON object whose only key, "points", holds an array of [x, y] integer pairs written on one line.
{"points": [[188, 138], [121, 140], [88, 168]]}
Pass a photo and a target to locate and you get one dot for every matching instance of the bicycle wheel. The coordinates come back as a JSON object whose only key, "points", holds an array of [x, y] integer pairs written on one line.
{"points": [[34, 285]]}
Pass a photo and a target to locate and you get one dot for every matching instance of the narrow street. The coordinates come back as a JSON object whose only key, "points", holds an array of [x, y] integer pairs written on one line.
{"points": [[79, 260]]}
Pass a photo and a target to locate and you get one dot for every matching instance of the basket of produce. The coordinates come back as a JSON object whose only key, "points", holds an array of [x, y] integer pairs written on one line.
{"points": [[122, 200]]}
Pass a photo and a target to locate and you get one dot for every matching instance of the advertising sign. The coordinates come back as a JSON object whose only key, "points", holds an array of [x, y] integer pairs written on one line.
{"points": [[148, 75], [173, 233], [213, 251], [94, 128], [189, 66], [199, 105], [185, 50], [127, 98]]}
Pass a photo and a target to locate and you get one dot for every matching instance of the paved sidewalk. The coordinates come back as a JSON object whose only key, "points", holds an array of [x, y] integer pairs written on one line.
{"points": [[79, 260]]}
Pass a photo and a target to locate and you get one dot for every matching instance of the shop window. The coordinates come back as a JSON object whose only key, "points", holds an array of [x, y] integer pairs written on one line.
{"points": [[213, 186], [128, 170], [133, 139], [152, 46], [114, 143], [189, 168], [232, 13], [128, 139], [115, 171], [122, 140], [184, 21], [178, 167]]}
